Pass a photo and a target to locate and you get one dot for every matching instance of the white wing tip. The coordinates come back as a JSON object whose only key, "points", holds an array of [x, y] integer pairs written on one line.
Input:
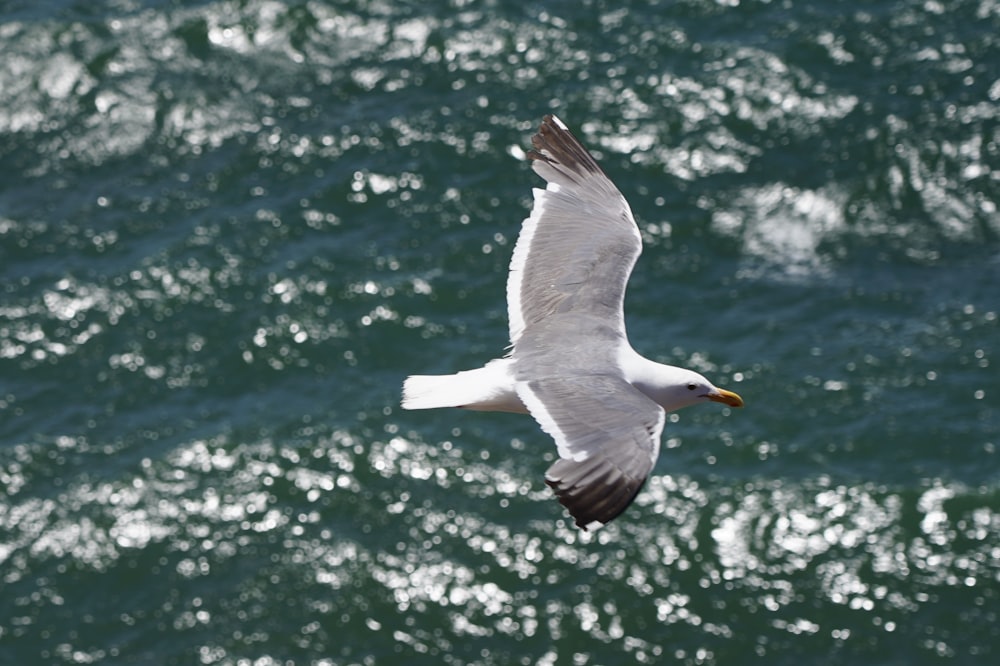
{"points": [[559, 123]]}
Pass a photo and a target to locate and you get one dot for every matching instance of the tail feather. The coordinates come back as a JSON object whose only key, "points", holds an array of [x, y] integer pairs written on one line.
{"points": [[432, 391], [489, 388]]}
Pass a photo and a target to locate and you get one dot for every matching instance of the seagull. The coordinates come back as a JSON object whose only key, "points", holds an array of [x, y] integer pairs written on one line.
{"points": [[569, 364]]}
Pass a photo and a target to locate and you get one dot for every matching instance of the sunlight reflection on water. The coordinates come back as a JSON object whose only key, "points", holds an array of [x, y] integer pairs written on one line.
{"points": [[230, 224]]}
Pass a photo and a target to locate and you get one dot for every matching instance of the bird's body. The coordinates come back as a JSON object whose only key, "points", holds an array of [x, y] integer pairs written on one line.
{"points": [[570, 364]]}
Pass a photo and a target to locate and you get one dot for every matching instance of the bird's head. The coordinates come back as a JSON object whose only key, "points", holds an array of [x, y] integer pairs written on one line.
{"points": [[690, 388]]}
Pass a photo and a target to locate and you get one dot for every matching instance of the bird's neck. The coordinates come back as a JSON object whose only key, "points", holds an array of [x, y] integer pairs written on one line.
{"points": [[654, 379]]}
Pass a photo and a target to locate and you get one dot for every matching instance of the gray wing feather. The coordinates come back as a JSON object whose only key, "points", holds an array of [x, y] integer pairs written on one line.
{"points": [[577, 248], [608, 436], [565, 298]]}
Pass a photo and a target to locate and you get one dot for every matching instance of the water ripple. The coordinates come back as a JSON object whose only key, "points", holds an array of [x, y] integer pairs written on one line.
{"points": [[225, 226]]}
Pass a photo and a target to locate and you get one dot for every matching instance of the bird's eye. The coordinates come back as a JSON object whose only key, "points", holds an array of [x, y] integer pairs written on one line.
{"points": [[692, 386]]}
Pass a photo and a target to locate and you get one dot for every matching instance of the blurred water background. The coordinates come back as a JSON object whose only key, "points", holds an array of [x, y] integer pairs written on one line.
{"points": [[228, 230]]}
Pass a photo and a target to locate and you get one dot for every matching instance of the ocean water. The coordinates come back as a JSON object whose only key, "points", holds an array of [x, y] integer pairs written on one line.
{"points": [[229, 229]]}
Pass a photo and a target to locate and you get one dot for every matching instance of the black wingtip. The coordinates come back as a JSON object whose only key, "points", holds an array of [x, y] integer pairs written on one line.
{"points": [[592, 494], [554, 143]]}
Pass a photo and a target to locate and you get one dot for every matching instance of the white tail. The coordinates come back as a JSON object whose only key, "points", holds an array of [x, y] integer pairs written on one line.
{"points": [[490, 388]]}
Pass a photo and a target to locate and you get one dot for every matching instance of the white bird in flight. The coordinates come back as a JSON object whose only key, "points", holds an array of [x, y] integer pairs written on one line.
{"points": [[570, 364]]}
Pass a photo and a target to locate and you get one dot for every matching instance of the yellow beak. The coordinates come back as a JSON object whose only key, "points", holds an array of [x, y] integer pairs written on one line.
{"points": [[726, 398]]}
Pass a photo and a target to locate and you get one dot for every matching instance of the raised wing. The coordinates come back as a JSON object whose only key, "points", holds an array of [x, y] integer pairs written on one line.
{"points": [[608, 437], [577, 248]]}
